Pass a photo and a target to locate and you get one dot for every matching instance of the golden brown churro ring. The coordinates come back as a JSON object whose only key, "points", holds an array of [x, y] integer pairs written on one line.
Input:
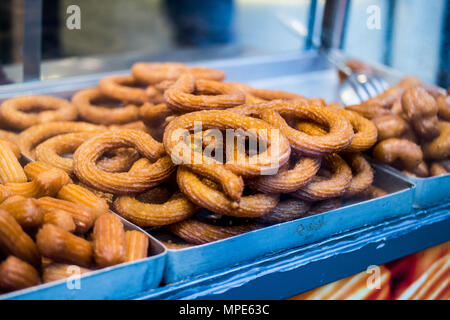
{"points": [[125, 88], [340, 130], [16, 274], [88, 153], [443, 103], [390, 126], [60, 218], [62, 246], [109, 241], [439, 148], [137, 245], [387, 98], [155, 115], [14, 241], [10, 168], [80, 195], [82, 216], [26, 211], [154, 73], [362, 175], [92, 106], [395, 150], [144, 214], [369, 111], [323, 188], [276, 154], [421, 110], [52, 150], [205, 196], [58, 271], [14, 111], [46, 183], [182, 97], [118, 160], [197, 232], [289, 180], [286, 210], [31, 137], [365, 131]]}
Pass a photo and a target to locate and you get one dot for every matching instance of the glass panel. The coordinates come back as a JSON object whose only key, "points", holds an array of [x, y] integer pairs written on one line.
{"points": [[411, 36], [113, 34]]}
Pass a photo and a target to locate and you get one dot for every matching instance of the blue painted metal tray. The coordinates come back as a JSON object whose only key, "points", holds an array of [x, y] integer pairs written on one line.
{"points": [[185, 263], [288, 273], [429, 191], [116, 282]]}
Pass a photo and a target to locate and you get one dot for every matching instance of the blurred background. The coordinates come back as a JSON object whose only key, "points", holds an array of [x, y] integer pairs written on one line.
{"points": [[412, 36]]}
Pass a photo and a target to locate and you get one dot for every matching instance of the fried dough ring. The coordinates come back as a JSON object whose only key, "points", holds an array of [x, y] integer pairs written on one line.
{"points": [[156, 118], [124, 88], [31, 137], [369, 111], [86, 156], [176, 208], [324, 188], [154, 73], [388, 97], [101, 114], [421, 109], [365, 131], [286, 210], [362, 175], [216, 201], [197, 232], [50, 152], [181, 96], [390, 126], [340, 130], [13, 111], [276, 154], [439, 147], [395, 150], [287, 181]]}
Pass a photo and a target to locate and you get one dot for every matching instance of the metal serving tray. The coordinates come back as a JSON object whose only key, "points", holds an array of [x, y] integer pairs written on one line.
{"points": [[116, 282], [429, 192], [309, 74], [193, 261]]}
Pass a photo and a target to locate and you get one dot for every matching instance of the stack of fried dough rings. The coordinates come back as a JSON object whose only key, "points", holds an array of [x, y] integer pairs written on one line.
{"points": [[413, 123], [149, 144]]}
